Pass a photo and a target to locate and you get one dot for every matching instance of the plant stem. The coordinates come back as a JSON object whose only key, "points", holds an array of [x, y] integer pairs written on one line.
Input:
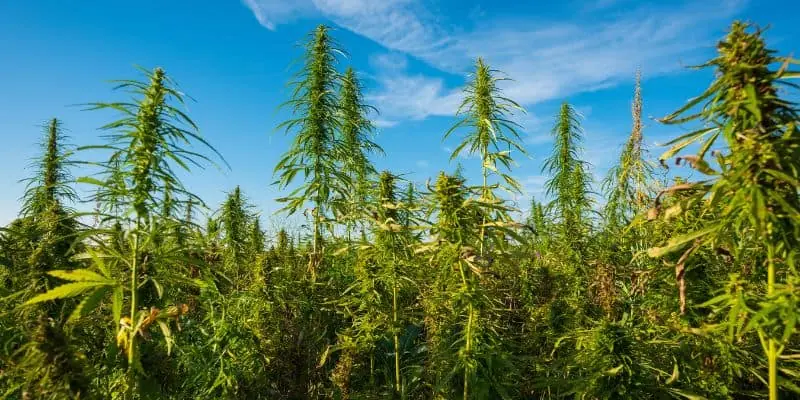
{"points": [[396, 337], [485, 190], [772, 353], [132, 333], [468, 333], [372, 369], [470, 316]]}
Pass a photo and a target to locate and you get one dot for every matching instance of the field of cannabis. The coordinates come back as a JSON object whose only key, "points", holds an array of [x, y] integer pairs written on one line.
{"points": [[666, 288]]}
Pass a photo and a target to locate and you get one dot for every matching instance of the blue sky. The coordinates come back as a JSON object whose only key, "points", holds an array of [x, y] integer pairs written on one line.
{"points": [[234, 58]]}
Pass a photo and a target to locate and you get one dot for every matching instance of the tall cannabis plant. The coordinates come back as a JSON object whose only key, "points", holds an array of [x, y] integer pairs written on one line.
{"points": [[377, 302], [392, 243], [628, 182], [492, 135], [151, 138], [235, 221], [356, 143], [315, 150], [569, 179], [45, 204], [48, 362], [752, 191], [460, 316]]}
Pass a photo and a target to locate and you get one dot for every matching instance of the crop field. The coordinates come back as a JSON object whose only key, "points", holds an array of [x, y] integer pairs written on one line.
{"points": [[675, 276]]}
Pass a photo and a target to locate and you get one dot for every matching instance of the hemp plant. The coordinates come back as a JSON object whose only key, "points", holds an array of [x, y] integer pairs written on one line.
{"points": [[628, 182], [45, 202], [569, 178], [152, 137], [49, 363], [316, 148], [356, 143], [752, 191], [460, 311], [492, 134], [375, 301]]}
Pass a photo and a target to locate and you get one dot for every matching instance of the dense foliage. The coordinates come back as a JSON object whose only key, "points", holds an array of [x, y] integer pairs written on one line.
{"points": [[642, 289]]}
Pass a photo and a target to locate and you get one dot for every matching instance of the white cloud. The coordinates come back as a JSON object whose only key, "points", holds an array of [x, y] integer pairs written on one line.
{"points": [[401, 25], [539, 138], [270, 13], [534, 183], [383, 123], [552, 60], [402, 96], [385, 62], [423, 164], [597, 5], [464, 155]]}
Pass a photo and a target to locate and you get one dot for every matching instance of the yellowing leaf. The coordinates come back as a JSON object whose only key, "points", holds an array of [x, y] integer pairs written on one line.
{"points": [[674, 376], [679, 242], [673, 211], [79, 275], [167, 335], [614, 371]]}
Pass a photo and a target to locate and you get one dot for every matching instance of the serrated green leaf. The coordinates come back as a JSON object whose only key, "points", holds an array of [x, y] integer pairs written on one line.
{"points": [[116, 304], [88, 304], [65, 291], [159, 288], [752, 101], [685, 395]]}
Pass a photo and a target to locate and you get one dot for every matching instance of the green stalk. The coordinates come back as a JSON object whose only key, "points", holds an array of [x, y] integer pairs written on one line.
{"points": [[132, 333], [470, 317], [396, 337], [372, 369], [468, 333], [485, 192], [772, 352], [316, 243]]}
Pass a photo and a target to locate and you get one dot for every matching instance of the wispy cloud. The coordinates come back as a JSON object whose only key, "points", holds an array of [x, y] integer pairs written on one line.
{"points": [[597, 5], [383, 123], [387, 62], [464, 155], [541, 138], [551, 60], [270, 13], [401, 96], [423, 164]]}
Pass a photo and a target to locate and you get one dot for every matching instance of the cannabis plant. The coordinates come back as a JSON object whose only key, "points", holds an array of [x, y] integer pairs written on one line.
{"points": [[145, 144], [629, 180], [356, 143], [315, 148], [751, 191], [492, 134], [48, 363], [569, 179], [459, 307]]}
